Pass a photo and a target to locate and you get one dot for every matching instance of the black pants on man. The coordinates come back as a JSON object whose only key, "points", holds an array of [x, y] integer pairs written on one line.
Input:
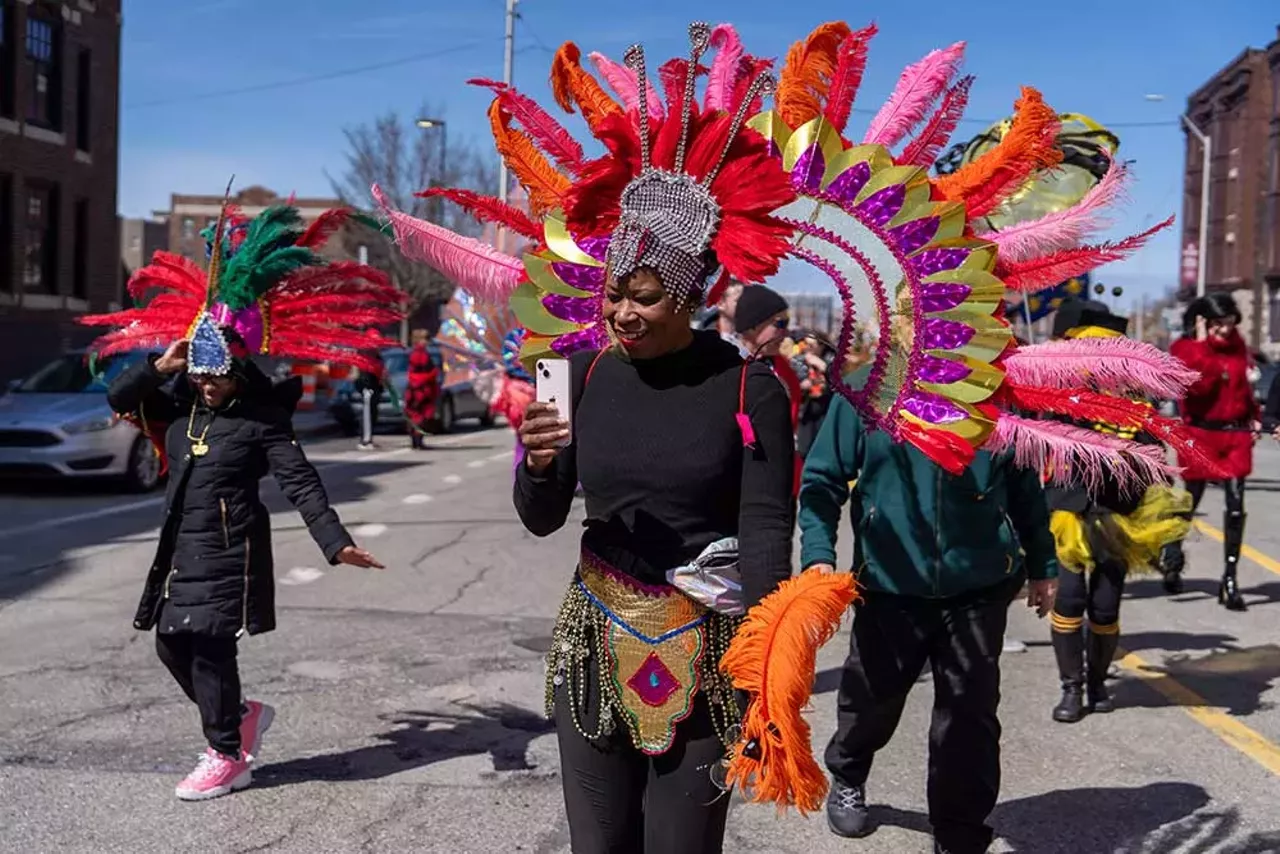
{"points": [[961, 638], [206, 669]]}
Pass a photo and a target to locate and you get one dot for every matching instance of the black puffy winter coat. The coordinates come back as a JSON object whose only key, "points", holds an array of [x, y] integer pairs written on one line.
{"points": [[213, 571]]}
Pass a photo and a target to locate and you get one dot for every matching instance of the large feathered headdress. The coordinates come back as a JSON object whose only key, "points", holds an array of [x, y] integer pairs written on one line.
{"points": [[267, 290]]}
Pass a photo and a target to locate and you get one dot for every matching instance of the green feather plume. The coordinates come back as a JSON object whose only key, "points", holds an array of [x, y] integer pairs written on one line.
{"points": [[264, 258]]}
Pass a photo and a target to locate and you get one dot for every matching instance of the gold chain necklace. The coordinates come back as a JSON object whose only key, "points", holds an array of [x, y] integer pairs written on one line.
{"points": [[198, 446]]}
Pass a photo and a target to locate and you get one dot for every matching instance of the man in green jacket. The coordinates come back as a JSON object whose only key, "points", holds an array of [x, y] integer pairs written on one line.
{"points": [[939, 559]]}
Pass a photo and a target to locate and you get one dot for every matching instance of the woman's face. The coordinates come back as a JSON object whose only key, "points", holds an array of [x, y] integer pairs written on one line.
{"points": [[643, 317], [214, 391], [1222, 328]]}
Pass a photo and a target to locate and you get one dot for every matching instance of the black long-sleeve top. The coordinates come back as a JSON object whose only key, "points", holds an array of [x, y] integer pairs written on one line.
{"points": [[657, 449]]}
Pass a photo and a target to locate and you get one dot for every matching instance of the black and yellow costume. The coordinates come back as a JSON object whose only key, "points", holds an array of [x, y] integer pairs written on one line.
{"points": [[1101, 536]]}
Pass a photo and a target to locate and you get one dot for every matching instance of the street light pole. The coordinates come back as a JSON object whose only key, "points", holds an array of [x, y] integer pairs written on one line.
{"points": [[508, 64], [1206, 145]]}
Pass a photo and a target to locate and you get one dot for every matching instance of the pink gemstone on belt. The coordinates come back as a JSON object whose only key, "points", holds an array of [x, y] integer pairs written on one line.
{"points": [[653, 682]]}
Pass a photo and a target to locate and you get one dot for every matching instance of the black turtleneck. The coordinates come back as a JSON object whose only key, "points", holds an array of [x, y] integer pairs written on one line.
{"points": [[661, 461]]}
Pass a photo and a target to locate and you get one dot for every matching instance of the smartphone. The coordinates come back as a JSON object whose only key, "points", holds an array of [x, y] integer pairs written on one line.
{"points": [[553, 386]]}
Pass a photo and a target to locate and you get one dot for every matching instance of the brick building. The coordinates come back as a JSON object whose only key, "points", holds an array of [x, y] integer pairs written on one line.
{"points": [[1271, 244], [59, 106], [139, 240]]}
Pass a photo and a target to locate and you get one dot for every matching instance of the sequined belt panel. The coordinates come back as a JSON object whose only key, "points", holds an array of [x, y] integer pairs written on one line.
{"points": [[651, 644]]}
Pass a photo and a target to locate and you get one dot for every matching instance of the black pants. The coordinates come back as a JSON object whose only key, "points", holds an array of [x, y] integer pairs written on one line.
{"points": [[893, 637], [621, 801], [1095, 593], [1233, 516], [205, 668]]}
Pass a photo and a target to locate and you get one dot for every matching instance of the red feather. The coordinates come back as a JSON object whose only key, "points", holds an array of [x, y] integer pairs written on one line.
{"points": [[324, 227], [850, 64], [1081, 405], [750, 68], [928, 144], [943, 447], [672, 74], [489, 209], [1036, 274], [548, 133]]}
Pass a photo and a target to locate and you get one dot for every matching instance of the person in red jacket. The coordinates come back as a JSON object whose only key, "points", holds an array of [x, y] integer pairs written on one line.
{"points": [[423, 391], [1222, 415]]}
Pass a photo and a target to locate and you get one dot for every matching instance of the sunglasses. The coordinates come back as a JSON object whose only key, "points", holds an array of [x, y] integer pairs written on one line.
{"points": [[782, 323]]}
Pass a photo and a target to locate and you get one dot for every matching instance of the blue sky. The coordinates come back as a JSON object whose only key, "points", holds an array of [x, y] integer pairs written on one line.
{"points": [[1097, 58]]}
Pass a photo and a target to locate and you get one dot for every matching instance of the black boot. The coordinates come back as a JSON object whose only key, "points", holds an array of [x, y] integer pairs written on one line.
{"points": [[1172, 562], [1233, 538], [1102, 648], [1068, 648]]}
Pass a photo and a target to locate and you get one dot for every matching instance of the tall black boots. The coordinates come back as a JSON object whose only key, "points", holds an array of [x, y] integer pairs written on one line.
{"points": [[1103, 641], [1233, 538], [1068, 648]]}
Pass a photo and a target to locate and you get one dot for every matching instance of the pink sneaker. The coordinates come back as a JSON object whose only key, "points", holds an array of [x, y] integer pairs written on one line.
{"points": [[215, 775], [255, 721]]}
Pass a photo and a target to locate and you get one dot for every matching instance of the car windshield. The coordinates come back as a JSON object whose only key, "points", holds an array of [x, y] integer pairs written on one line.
{"points": [[70, 374], [395, 363]]}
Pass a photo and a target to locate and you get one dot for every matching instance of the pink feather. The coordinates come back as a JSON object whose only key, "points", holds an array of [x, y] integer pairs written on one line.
{"points": [[919, 86], [488, 274], [1078, 455], [1067, 228], [1036, 274], [928, 144], [547, 133], [724, 71], [850, 65], [1110, 364], [623, 82]]}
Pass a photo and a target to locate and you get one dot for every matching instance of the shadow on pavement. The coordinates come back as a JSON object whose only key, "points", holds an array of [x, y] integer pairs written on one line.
{"points": [[1178, 641], [1233, 680], [422, 738], [1199, 589], [1207, 831]]}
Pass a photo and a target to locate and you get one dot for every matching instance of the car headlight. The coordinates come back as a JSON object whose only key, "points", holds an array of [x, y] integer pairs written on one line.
{"points": [[91, 425]]}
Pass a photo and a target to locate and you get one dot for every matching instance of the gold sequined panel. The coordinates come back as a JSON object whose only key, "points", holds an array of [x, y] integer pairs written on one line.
{"points": [[654, 642]]}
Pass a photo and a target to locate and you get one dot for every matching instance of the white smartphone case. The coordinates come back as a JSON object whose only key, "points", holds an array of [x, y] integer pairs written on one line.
{"points": [[554, 386]]}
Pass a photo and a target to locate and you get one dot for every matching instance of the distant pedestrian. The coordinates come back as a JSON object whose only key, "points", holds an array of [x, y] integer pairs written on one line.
{"points": [[422, 394], [370, 381]]}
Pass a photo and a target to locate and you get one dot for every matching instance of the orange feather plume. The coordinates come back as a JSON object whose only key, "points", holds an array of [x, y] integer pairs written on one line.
{"points": [[546, 186], [1029, 146], [572, 85], [772, 657], [806, 77]]}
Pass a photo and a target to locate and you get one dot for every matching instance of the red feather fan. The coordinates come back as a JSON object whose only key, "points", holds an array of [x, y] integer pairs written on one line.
{"points": [[489, 209]]}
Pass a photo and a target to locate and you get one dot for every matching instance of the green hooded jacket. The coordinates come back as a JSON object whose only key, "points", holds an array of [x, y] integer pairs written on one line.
{"points": [[919, 530]]}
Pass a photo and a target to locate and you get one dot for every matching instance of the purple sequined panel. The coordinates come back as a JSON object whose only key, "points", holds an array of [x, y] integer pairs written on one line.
{"points": [[933, 261], [774, 151], [596, 247], [849, 183], [939, 334], [247, 321], [573, 309], [883, 205], [580, 276], [653, 682], [592, 338], [807, 173], [942, 371], [933, 409], [911, 236], [942, 296]]}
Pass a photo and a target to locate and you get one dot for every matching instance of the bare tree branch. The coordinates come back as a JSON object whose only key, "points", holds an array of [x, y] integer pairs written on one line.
{"points": [[404, 159]]}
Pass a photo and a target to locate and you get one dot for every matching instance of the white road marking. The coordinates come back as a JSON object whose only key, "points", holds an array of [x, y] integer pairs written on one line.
{"points": [[452, 479], [417, 499], [373, 529], [505, 455], [475, 464], [301, 575]]}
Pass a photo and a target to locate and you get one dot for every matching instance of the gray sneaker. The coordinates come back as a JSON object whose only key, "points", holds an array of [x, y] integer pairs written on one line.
{"points": [[847, 810]]}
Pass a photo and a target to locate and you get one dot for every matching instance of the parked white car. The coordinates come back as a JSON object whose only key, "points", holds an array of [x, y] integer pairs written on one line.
{"points": [[56, 423]]}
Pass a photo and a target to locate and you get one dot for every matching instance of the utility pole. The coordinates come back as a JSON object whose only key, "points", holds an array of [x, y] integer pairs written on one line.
{"points": [[1206, 171], [507, 68]]}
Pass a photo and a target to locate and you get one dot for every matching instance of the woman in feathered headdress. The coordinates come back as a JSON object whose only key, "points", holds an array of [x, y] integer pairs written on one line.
{"points": [[224, 426]]}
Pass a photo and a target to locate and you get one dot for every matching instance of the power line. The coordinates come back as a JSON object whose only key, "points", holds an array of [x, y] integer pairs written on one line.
{"points": [[538, 42], [312, 78]]}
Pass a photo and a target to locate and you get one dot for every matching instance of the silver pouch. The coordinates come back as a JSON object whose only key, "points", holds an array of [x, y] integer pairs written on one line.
{"points": [[713, 579]]}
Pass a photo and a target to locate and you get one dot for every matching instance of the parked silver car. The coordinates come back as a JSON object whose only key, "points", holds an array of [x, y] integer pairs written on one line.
{"points": [[56, 422]]}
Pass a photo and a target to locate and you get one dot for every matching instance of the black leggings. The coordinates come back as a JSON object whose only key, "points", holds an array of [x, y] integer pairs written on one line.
{"points": [[621, 801], [205, 668], [1094, 593], [1232, 524]]}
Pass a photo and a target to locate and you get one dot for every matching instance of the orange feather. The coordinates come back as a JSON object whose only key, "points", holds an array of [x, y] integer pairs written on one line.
{"points": [[1029, 146], [546, 186], [806, 77], [772, 657], [572, 85]]}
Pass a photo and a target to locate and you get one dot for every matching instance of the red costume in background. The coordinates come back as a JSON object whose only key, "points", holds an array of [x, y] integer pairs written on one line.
{"points": [[423, 390], [1219, 408]]}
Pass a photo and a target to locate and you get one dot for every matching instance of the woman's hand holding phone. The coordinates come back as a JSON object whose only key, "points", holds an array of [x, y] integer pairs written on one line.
{"points": [[543, 434]]}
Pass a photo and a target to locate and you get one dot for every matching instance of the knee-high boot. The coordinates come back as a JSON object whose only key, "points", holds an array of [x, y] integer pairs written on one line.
{"points": [[1232, 540], [1103, 641], [1068, 648]]}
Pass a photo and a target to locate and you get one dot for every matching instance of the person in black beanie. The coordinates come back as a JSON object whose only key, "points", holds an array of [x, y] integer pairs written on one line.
{"points": [[762, 318]]}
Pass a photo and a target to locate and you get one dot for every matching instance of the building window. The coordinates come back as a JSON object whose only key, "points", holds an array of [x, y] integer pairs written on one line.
{"points": [[188, 228], [7, 81], [45, 107], [84, 101], [80, 253], [40, 240], [6, 234]]}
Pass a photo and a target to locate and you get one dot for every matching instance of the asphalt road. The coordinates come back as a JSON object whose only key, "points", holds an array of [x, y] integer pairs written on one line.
{"points": [[410, 700]]}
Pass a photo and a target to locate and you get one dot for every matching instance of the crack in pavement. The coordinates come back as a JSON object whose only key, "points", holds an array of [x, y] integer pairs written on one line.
{"points": [[432, 551]]}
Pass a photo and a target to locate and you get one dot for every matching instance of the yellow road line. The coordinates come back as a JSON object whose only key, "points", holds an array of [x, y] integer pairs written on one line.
{"points": [[1248, 551], [1221, 724]]}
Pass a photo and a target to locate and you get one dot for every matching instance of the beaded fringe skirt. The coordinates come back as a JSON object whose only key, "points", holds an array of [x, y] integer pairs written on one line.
{"points": [[638, 655]]}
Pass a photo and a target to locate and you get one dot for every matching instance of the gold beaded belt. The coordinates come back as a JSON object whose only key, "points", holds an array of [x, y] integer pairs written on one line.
{"points": [[651, 644]]}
